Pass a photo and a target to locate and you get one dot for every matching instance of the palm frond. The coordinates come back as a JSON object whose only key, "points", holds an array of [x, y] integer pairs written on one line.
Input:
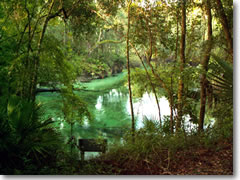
{"points": [[223, 82], [33, 136]]}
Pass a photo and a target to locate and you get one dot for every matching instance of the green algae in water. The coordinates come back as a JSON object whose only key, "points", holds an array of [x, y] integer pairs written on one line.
{"points": [[103, 84], [108, 101], [109, 119]]}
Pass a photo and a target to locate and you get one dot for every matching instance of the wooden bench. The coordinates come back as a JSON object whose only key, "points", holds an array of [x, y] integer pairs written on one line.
{"points": [[92, 145]]}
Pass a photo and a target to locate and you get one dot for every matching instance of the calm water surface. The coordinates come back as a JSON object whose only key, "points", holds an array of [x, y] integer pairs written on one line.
{"points": [[108, 102]]}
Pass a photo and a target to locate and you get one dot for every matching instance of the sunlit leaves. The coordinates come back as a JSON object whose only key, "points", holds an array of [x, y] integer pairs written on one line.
{"points": [[82, 17], [74, 109], [110, 7]]}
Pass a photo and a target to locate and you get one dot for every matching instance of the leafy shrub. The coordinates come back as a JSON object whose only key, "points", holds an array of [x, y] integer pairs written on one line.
{"points": [[26, 138]]}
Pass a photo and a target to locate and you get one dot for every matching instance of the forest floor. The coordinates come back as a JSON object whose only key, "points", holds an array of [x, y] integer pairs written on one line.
{"points": [[204, 161], [217, 160]]}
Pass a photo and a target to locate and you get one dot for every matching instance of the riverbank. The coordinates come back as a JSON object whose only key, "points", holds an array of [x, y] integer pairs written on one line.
{"points": [[204, 161], [214, 157], [152, 154], [154, 151]]}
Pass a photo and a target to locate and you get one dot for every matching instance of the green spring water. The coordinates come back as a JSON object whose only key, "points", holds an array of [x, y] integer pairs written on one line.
{"points": [[106, 99], [108, 102]]}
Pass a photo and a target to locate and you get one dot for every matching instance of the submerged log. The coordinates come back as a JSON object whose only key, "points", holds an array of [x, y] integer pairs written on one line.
{"points": [[39, 90]]}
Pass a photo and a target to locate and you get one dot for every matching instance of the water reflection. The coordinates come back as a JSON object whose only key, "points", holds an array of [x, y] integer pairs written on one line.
{"points": [[114, 103], [146, 107], [110, 109], [98, 105]]}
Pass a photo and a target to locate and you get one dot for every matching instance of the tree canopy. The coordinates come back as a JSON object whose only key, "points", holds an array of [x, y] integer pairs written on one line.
{"points": [[181, 50]]}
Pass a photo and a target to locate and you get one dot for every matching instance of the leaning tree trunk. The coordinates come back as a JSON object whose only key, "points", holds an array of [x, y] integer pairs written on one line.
{"points": [[149, 57], [36, 63], [224, 22], [151, 83], [182, 64], [129, 74], [204, 63]]}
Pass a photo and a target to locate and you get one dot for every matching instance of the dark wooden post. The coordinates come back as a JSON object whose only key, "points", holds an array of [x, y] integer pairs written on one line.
{"points": [[82, 156]]}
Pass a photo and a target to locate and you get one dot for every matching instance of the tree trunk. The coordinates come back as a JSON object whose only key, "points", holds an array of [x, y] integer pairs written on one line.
{"points": [[151, 83], [71, 136], [32, 94], [182, 64], [224, 22], [171, 88], [204, 64], [158, 105], [171, 113], [129, 74], [149, 56], [176, 50]]}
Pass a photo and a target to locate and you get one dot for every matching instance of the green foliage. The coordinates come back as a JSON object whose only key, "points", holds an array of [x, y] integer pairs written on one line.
{"points": [[95, 67], [223, 82], [152, 152], [85, 40], [166, 128], [74, 109], [83, 19], [141, 83], [112, 6], [223, 127], [25, 137], [55, 66]]}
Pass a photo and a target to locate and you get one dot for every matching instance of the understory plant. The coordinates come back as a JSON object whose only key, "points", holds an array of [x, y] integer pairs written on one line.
{"points": [[27, 141]]}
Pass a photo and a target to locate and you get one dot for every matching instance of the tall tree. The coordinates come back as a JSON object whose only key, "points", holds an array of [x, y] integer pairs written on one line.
{"points": [[171, 83], [204, 63], [128, 68], [182, 64], [32, 93], [225, 25]]}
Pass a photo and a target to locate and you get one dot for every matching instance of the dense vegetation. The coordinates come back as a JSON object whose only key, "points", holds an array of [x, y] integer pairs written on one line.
{"points": [[179, 49]]}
